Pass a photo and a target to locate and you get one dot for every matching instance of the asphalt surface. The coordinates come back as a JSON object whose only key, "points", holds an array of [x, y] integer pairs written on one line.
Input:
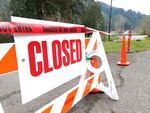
{"points": [[132, 82], [135, 37], [133, 86]]}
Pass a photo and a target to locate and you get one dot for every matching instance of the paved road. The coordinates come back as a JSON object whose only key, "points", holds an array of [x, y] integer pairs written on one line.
{"points": [[135, 37], [133, 85]]}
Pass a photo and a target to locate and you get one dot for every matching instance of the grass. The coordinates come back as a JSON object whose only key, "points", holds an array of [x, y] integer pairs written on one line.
{"points": [[136, 46]]}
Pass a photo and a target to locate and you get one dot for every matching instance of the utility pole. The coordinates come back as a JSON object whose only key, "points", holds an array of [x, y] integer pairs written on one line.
{"points": [[110, 14]]}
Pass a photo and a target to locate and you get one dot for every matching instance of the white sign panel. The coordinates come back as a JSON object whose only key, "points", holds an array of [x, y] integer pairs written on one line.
{"points": [[47, 61]]}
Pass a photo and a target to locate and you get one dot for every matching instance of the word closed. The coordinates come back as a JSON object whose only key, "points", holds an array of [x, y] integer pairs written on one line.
{"points": [[46, 61], [63, 54]]}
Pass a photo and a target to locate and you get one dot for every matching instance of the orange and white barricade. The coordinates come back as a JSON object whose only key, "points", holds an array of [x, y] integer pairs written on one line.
{"points": [[8, 61], [46, 59]]}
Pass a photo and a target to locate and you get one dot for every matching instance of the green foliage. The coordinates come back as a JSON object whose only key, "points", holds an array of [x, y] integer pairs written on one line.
{"points": [[132, 18], [111, 46], [85, 12], [56, 10], [93, 17], [120, 23], [140, 45], [4, 10], [144, 26], [136, 46], [6, 38]]}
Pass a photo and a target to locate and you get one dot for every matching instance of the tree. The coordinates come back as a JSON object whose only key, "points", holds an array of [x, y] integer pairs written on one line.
{"points": [[55, 10], [5, 16], [120, 23], [4, 10], [93, 17], [144, 26], [85, 12], [132, 17]]}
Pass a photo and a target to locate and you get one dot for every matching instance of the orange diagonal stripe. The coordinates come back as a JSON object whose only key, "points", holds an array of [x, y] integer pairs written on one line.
{"points": [[87, 42], [48, 110], [69, 101], [9, 62], [88, 86]]}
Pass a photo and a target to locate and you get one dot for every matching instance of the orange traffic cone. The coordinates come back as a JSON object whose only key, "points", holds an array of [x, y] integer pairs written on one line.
{"points": [[129, 42], [123, 59]]}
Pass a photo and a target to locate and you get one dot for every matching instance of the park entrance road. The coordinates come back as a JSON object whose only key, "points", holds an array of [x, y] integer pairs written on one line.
{"points": [[135, 37], [133, 86], [132, 82]]}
